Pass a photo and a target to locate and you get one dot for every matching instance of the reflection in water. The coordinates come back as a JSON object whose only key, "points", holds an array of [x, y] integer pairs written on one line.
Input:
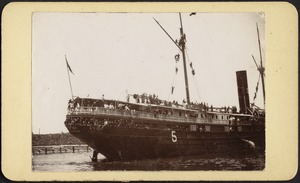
{"points": [[82, 162]]}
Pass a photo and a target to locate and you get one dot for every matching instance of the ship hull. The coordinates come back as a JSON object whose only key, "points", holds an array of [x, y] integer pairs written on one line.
{"points": [[119, 143]]}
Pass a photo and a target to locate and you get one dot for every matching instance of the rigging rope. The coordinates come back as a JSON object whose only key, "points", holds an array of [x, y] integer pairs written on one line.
{"points": [[195, 82], [172, 87], [193, 74], [177, 57], [256, 89]]}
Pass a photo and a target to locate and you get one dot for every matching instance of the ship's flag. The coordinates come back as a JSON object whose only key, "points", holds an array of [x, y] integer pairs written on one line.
{"points": [[172, 89], [177, 56], [68, 65]]}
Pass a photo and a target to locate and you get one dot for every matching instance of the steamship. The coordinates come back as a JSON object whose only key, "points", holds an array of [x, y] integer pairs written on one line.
{"points": [[144, 126]]}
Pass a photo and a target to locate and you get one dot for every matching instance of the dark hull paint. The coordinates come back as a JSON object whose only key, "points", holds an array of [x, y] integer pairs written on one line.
{"points": [[133, 143]]}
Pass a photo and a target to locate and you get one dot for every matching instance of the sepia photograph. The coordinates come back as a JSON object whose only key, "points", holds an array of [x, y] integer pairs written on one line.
{"points": [[148, 91]]}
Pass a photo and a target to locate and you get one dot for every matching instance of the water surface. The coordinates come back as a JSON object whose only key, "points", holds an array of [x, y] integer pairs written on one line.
{"points": [[81, 161]]}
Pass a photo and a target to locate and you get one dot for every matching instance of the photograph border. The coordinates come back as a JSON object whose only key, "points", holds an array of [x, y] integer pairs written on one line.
{"points": [[281, 102]]}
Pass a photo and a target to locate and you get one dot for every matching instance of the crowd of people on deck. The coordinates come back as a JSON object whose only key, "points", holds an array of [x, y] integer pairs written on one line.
{"points": [[98, 124], [147, 99], [153, 99]]}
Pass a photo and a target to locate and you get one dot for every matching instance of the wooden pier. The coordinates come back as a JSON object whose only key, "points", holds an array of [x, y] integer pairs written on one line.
{"points": [[44, 150]]}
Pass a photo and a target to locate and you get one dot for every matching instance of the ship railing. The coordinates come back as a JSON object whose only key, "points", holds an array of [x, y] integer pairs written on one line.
{"points": [[130, 113], [142, 115], [164, 117]]}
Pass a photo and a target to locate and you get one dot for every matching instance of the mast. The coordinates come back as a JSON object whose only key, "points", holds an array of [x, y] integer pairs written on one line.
{"points": [[261, 69], [182, 44]]}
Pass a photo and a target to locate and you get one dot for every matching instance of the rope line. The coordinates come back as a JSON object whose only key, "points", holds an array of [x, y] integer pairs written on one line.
{"points": [[194, 78], [174, 77], [256, 89]]}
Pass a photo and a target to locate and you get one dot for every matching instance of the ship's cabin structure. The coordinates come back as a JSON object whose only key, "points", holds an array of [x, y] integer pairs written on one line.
{"points": [[147, 112]]}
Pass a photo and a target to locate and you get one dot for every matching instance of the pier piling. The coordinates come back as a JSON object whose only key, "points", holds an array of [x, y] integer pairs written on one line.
{"points": [[45, 150]]}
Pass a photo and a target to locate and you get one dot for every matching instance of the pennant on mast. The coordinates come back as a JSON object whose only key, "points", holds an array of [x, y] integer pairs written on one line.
{"points": [[68, 66], [69, 70]]}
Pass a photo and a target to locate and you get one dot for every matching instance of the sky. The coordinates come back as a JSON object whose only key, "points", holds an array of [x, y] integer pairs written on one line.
{"points": [[115, 53]]}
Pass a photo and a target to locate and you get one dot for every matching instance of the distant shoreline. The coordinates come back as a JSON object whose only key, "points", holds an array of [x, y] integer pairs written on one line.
{"points": [[55, 139]]}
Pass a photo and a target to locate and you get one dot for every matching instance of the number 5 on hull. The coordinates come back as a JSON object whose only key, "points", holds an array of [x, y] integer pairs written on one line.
{"points": [[174, 137]]}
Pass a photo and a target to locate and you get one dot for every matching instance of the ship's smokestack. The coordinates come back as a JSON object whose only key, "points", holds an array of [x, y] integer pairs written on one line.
{"points": [[242, 85]]}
